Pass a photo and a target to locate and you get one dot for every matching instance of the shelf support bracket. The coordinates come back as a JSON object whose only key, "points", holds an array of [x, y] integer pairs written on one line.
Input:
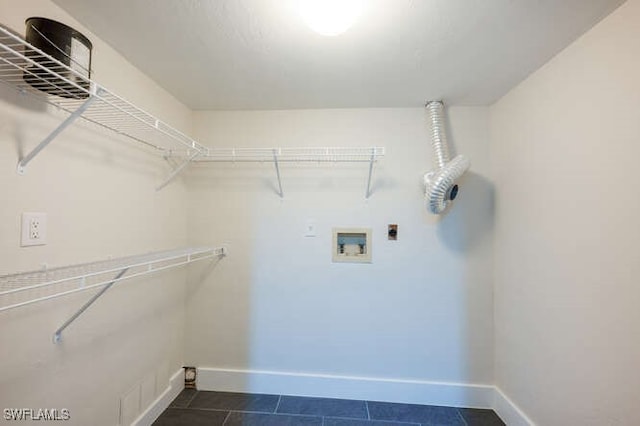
{"points": [[371, 161], [22, 164], [178, 170], [57, 336], [275, 162]]}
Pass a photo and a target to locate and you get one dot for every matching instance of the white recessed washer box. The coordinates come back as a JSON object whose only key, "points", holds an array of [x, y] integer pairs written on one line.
{"points": [[351, 245]]}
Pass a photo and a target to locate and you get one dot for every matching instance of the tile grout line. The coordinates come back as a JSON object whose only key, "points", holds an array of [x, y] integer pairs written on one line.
{"points": [[262, 413], [278, 404], [226, 418], [464, 421], [192, 398], [265, 413], [208, 409], [366, 404], [377, 421]]}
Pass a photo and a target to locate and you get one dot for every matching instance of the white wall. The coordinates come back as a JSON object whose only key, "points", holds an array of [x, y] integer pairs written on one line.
{"points": [[99, 194], [562, 143], [421, 311], [565, 147]]}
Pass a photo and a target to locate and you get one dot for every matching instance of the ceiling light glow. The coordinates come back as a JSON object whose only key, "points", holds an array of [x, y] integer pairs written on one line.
{"points": [[330, 17]]}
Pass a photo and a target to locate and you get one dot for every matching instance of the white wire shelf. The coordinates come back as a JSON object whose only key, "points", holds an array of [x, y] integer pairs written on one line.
{"points": [[32, 72], [297, 155], [21, 289], [277, 156]]}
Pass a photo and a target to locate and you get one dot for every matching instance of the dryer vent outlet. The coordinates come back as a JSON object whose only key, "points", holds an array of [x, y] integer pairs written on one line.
{"points": [[440, 185], [190, 375]]}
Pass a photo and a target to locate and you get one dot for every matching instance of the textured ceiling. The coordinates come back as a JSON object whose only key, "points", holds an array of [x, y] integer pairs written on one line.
{"points": [[258, 54]]}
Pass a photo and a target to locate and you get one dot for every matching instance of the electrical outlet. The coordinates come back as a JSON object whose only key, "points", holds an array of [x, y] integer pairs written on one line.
{"points": [[34, 229]]}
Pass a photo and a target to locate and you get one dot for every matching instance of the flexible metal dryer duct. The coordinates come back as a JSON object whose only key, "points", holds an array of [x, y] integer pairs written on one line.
{"points": [[440, 184]]}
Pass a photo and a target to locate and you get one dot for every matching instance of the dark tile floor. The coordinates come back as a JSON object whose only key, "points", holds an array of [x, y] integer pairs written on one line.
{"points": [[196, 408]]}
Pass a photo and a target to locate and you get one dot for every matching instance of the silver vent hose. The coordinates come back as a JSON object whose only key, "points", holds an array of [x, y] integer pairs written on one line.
{"points": [[440, 184]]}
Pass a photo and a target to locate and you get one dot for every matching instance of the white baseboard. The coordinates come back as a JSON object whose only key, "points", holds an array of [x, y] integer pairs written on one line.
{"points": [[347, 387], [508, 411], [361, 388], [148, 416]]}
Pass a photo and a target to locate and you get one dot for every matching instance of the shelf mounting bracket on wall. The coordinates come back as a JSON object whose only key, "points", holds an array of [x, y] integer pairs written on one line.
{"points": [[177, 170], [57, 336], [275, 162], [22, 164], [371, 161]]}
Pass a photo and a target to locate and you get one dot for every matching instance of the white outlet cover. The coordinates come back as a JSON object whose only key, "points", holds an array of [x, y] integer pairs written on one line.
{"points": [[34, 229]]}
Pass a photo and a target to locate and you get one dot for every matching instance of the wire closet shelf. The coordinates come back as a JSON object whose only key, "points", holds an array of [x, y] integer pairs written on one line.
{"points": [[32, 72], [295, 155], [49, 82], [26, 288]]}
